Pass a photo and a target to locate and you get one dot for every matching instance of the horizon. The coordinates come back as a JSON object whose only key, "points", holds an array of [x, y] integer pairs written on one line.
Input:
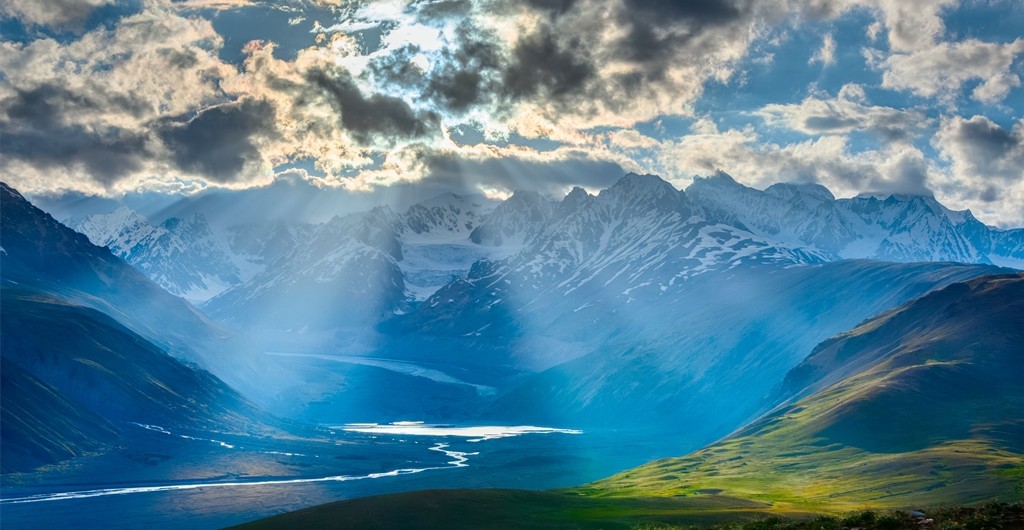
{"points": [[71, 207]]}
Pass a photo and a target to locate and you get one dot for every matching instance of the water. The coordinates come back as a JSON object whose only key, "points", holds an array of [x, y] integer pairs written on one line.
{"points": [[188, 480]]}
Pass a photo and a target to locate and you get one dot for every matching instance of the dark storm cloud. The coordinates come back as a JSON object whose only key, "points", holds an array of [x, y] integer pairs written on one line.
{"points": [[658, 27], [181, 59], [986, 140], [462, 76], [830, 123], [38, 128], [555, 7], [398, 68], [515, 173], [368, 117], [561, 60], [106, 157], [219, 142], [909, 175], [989, 194], [468, 75], [48, 105], [983, 151], [545, 66]]}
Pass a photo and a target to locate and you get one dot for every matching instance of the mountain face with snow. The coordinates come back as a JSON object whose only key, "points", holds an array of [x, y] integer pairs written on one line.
{"points": [[515, 221], [893, 227], [640, 238], [360, 268], [185, 256]]}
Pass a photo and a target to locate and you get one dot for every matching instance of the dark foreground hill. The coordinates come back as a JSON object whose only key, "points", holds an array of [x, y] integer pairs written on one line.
{"points": [[74, 377]]}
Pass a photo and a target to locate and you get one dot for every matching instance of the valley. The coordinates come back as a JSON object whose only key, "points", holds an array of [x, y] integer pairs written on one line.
{"points": [[554, 354]]}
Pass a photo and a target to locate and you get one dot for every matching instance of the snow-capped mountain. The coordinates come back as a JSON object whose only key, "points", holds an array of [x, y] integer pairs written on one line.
{"points": [[356, 269], [639, 238], [436, 243], [344, 274], [180, 255], [890, 227], [515, 221]]}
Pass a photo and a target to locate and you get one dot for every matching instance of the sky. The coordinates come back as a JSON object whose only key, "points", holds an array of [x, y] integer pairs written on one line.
{"points": [[356, 100]]}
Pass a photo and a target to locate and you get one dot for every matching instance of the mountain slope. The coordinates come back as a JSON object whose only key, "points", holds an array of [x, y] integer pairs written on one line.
{"points": [[43, 255], [890, 227], [178, 255], [73, 376], [186, 256], [708, 359], [922, 404], [40, 425]]}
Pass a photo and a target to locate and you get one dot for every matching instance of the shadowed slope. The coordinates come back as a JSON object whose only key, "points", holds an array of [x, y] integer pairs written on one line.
{"points": [[71, 375]]}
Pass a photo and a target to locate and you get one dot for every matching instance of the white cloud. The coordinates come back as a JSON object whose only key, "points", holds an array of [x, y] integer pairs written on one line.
{"points": [[913, 24], [826, 55], [826, 160], [847, 112], [941, 71]]}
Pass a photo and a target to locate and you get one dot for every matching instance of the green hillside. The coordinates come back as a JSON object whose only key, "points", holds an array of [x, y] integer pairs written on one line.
{"points": [[923, 404]]}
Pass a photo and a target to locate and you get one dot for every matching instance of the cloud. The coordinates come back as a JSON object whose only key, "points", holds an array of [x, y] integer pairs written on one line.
{"points": [[57, 14], [105, 156], [366, 117], [913, 25], [980, 148], [986, 167], [941, 71], [827, 160], [220, 142], [507, 174], [87, 114], [846, 113], [826, 55], [145, 100], [542, 66]]}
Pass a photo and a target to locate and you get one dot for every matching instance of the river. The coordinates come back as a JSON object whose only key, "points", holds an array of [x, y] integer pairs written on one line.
{"points": [[192, 480]]}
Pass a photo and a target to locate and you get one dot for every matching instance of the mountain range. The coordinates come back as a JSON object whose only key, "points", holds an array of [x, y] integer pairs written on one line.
{"points": [[400, 259], [804, 351], [713, 292]]}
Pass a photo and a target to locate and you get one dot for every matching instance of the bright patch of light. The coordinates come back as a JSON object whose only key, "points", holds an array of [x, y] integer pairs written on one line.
{"points": [[476, 433]]}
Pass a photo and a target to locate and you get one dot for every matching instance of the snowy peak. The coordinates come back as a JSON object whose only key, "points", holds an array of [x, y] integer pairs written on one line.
{"points": [[183, 256], [515, 221], [447, 215], [804, 191], [892, 227], [119, 230], [641, 193]]}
